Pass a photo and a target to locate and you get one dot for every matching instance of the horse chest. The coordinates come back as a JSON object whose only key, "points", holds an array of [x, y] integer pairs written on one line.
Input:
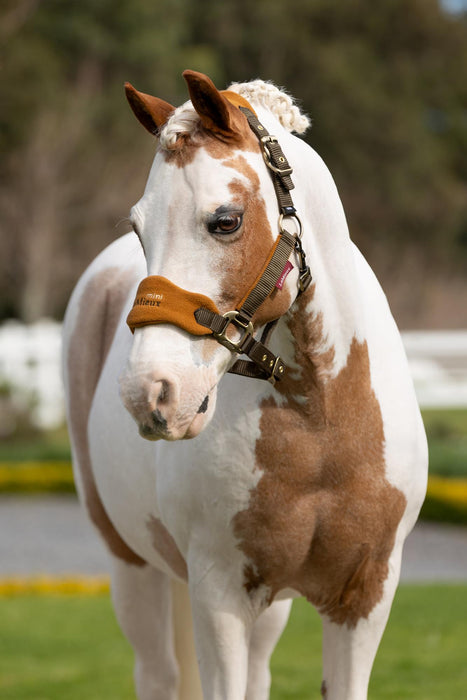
{"points": [[322, 519]]}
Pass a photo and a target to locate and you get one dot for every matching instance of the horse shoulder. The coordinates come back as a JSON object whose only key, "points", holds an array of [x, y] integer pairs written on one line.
{"points": [[92, 317]]}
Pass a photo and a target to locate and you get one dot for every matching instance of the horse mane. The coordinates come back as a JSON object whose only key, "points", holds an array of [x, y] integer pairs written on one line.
{"points": [[185, 121], [277, 101]]}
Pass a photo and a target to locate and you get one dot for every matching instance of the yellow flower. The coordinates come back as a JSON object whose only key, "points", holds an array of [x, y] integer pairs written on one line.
{"points": [[452, 491], [44, 584]]}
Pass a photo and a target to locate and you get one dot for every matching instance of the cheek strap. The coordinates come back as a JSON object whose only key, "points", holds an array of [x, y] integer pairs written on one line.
{"points": [[160, 301]]}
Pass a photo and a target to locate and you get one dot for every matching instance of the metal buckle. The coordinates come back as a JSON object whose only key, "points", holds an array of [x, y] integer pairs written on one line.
{"points": [[267, 156], [278, 365], [290, 216], [232, 317], [304, 280]]}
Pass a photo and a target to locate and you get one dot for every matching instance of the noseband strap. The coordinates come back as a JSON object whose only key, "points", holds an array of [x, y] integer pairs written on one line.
{"points": [[160, 301]]}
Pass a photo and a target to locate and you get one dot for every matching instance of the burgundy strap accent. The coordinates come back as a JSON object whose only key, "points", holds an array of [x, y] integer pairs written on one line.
{"points": [[268, 279]]}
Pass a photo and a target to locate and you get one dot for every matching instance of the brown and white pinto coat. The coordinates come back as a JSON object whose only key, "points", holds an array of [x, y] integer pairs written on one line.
{"points": [[306, 488]]}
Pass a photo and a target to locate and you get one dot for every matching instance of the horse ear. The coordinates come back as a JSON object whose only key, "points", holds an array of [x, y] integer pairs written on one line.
{"points": [[216, 112], [150, 111]]}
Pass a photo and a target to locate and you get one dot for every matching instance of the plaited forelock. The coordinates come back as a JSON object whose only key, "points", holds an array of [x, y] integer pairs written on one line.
{"points": [[276, 101], [183, 121]]}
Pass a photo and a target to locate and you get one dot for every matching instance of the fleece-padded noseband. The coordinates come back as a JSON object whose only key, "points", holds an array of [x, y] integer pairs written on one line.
{"points": [[160, 301]]}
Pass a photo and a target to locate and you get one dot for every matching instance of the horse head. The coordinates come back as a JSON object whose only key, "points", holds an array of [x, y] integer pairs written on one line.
{"points": [[207, 223]]}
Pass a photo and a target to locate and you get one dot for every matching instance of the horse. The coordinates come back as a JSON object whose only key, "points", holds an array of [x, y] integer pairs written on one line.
{"points": [[243, 422]]}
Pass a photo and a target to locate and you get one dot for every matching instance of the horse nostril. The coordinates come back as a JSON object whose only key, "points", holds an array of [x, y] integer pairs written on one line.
{"points": [[204, 406], [164, 392], [158, 420]]}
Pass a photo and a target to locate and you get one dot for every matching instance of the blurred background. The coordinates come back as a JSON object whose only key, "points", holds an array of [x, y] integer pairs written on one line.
{"points": [[385, 86]]}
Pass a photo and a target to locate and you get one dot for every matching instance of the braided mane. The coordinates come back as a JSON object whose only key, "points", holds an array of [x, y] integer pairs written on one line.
{"points": [[186, 121], [278, 102]]}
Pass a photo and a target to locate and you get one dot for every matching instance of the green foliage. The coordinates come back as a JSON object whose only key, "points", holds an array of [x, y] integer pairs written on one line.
{"points": [[70, 647], [440, 511], [447, 440], [28, 444]]}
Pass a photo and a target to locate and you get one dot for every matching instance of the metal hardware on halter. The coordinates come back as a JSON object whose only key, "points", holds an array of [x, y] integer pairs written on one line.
{"points": [[290, 216], [304, 273], [233, 317], [268, 156], [277, 367]]}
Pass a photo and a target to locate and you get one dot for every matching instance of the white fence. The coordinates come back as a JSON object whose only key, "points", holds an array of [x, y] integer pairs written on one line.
{"points": [[438, 361], [30, 373], [30, 369]]}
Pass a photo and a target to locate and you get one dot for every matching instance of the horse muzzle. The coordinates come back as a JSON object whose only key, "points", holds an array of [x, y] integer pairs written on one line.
{"points": [[168, 390]]}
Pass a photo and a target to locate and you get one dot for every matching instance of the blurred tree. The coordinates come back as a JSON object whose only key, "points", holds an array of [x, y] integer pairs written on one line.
{"points": [[72, 162], [384, 83]]}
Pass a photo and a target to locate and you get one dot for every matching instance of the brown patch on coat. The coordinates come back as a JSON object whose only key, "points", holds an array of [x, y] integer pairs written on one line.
{"points": [[184, 151], [245, 257], [100, 308], [165, 546], [323, 517]]}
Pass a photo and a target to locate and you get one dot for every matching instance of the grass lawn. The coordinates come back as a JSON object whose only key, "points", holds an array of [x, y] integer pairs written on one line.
{"points": [[447, 439], [62, 648], [422, 654], [70, 648]]}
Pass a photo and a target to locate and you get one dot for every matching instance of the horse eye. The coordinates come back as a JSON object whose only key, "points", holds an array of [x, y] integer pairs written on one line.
{"points": [[226, 223]]}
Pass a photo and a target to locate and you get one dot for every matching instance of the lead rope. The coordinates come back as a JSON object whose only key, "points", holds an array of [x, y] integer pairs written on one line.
{"points": [[263, 363]]}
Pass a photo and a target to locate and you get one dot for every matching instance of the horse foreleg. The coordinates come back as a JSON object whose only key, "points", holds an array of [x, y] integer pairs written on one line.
{"points": [[189, 686], [265, 634], [223, 617], [349, 650], [142, 602]]}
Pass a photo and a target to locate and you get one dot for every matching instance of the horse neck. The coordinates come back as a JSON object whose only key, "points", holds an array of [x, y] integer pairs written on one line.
{"points": [[332, 308], [335, 301]]}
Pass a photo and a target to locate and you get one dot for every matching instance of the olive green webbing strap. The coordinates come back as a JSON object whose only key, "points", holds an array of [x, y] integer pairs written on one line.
{"points": [[268, 278], [263, 363], [276, 161], [266, 365], [215, 322]]}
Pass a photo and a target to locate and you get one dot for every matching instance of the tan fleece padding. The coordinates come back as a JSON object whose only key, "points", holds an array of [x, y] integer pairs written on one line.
{"points": [[237, 100], [160, 301]]}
